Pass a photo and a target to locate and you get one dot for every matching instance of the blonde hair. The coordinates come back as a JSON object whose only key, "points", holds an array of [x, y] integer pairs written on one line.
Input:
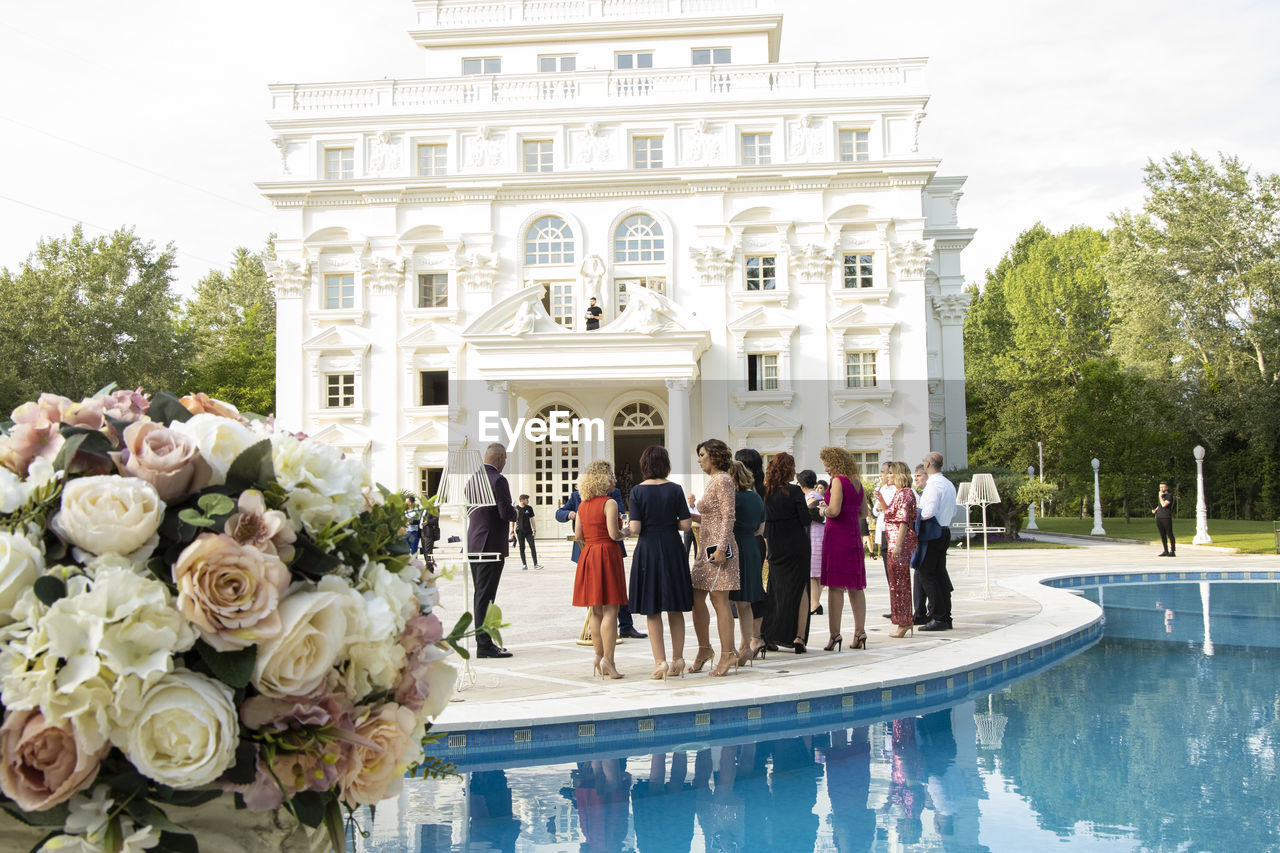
{"points": [[900, 474], [742, 478], [839, 461], [596, 480]]}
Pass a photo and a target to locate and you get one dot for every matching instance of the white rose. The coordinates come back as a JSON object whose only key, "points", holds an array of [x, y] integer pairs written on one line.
{"points": [[108, 514], [371, 667], [20, 564], [442, 680], [394, 591], [312, 636], [220, 441], [186, 732], [12, 492]]}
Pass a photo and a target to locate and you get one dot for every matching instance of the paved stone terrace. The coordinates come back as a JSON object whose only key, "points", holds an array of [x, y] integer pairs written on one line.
{"points": [[549, 678]]}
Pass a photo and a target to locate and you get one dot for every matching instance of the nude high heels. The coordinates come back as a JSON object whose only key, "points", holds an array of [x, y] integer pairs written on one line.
{"points": [[677, 668], [660, 672], [700, 660], [727, 660], [903, 631], [607, 668]]}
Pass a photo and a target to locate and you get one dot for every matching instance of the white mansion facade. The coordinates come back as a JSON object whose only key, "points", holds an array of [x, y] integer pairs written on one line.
{"points": [[777, 263]]}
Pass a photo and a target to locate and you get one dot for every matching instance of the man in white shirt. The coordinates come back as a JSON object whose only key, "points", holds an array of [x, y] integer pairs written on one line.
{"points": [[937, 502], [880, 500]]}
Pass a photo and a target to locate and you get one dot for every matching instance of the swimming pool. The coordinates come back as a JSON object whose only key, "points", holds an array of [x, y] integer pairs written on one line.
{"points": [[1162, 735]]}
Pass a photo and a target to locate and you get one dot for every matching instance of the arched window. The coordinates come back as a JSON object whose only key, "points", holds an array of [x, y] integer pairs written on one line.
{"points": [[549, 241], [637, 416], [638, 240]]}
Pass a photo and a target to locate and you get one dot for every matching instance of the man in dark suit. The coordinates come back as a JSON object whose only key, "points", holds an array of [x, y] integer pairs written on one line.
{"points": [[487, 533], [566, 513]]}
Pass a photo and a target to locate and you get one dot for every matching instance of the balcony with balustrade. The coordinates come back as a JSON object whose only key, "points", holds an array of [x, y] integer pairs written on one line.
{"points": [[468, 14]]}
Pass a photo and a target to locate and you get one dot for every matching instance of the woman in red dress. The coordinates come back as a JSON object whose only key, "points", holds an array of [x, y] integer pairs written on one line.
{"points": [[899, 521], [601, 583]]}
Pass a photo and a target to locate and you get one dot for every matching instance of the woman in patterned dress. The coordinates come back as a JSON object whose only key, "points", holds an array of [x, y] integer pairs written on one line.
{"points": [[715, 574], [899, 521]]}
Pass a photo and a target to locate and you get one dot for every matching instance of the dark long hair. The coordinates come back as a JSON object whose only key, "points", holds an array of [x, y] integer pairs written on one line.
{"points": [[754, 463]]}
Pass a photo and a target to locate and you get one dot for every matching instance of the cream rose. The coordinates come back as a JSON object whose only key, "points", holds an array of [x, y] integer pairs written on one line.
{"points": [[168, 460], [108, 514], [376, 772], [230, 592], [186, 732], [220, 441], [42, 765], [313, 634], [20, 564]]}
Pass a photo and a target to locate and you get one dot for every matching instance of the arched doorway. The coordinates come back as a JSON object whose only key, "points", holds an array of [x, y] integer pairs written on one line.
{"points": [[636, 426], [555, 472]]}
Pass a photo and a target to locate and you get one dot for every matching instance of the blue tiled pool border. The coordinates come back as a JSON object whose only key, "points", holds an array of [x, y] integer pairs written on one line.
{"points": [[1191, 575]]}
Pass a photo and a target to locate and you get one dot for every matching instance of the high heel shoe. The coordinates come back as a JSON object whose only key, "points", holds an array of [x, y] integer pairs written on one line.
{"points": [[727, 660], [798, 645], [753, 651], [607, 668], [699, 660], [836, 643], [677, 668], [660, 672], [903, 631], [595, 668], [860, 642]]}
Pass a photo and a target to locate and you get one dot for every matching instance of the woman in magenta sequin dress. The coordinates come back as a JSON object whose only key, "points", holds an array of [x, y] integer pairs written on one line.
{"points": [[843, 567]]}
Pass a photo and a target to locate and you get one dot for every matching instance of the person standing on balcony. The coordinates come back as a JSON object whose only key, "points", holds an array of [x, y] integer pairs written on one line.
{"points": [[593, 315]]}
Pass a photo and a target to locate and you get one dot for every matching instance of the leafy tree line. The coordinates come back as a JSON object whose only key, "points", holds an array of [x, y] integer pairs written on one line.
{"points": [[82, 312], [1135, 344]]}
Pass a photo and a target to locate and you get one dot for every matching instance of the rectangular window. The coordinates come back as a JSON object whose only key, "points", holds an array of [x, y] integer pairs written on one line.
{"points": [[761, 272], [340, 290], [867, 462], [538, 155], [431, 159], [429, 481], [550, 64], [482, 65], [340, 390], [756, 148], [855, 145], [646, 152], [762, 372], [339, 164], [434, 387], [433, 290], [857, 271], [629, 61], [711, 55], [860, 370], [559, 302]]}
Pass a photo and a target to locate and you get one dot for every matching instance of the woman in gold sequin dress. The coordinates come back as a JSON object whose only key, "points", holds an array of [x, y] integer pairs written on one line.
{"points": [[715, 575]]}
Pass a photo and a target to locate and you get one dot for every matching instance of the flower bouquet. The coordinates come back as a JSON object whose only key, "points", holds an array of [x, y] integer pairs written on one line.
{"points": [[193, 606]]}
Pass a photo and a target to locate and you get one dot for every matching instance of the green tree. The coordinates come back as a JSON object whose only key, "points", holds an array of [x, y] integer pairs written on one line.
{"points": [[81, 313], [232, 326]]}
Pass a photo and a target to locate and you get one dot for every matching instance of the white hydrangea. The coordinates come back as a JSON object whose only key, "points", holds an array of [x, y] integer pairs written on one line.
{"points": [[323, 484]]}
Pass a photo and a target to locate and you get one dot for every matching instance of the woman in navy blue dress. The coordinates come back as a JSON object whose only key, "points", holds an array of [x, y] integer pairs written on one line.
{"points": [[660, 581]]}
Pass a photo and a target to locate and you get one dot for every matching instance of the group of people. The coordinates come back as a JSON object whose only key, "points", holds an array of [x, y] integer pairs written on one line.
{"points": [[748, 518]]}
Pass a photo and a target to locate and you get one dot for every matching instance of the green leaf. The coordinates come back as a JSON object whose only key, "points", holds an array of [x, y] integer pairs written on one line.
{"points": [[178, 842], [234, 669], [333, 825], [215, 504], [310, 562], [128, 783], [55, 816], [310, 806], [49, 589], [460, 627], [166, 408], [195, 518], [191, 799], [68, 452], [253, 468], [245, 769], [145, 812], [458, 649]]}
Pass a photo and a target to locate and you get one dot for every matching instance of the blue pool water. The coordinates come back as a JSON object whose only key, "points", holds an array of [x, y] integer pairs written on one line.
{"points": [[1165, 735]]}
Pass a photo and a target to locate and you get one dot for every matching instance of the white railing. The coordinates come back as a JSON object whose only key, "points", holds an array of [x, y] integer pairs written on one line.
{"points": [[599, 88], [479, 13]]}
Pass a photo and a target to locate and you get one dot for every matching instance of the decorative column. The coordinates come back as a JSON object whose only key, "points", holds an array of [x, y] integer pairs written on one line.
{"points": [[951, 310], [678, 441], [1031, 508], [384, 397], [1097, 502], [289, 278], [1202, 509]]}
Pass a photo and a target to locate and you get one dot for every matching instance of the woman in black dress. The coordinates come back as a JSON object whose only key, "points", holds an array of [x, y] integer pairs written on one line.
{"points": [[786, 534], [751, 458], [660, 581]]}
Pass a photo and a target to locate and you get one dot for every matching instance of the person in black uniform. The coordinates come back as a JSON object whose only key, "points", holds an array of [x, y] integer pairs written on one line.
{"points": [[523, 531], [1164, 521], [594, 313]]}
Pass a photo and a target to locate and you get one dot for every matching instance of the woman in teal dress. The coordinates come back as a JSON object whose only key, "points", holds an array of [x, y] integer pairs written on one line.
{"points": [[748, 524]]}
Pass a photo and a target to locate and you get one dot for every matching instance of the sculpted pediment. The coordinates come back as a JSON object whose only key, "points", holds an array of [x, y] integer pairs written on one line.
{"points": [[433, 432], [519, 314], [336, 338], [767, 419], [649, 312], [431, 336], [865, 417], [344, 437], [758, 320]]}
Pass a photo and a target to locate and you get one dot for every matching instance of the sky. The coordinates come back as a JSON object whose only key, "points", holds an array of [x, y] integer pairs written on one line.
{"points": [[152, 114]]}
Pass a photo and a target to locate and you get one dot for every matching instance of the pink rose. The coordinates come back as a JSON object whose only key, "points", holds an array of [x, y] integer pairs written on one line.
{"points": [[86, 413], [43, 765], [27, 441], [127, 406], [264, 529], [168, 460], [230, 592], [377, 772], [201, 404], [49, 407], [420, 631]]}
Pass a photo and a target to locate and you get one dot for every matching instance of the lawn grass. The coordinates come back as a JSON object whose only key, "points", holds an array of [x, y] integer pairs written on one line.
{"points": [[1251, 537]]}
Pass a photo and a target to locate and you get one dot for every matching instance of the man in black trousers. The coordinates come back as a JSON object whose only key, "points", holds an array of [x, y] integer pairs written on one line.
{"points": [[487, 533], [1164, 522]]}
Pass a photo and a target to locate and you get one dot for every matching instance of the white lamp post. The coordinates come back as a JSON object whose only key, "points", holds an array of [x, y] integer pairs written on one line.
{"points": [[1031, 509], [1202, 510], [1097, 502], [1040, 448], [982, 491]]}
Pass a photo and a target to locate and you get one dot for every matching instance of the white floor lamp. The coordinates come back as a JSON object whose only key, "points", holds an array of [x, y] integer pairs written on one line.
{"points": [[962, 499], [983, 492]]}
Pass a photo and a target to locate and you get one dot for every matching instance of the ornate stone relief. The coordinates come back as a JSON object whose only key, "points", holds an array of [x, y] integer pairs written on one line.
{"points": [[590, 146], [384, 154], [385, 274], [713, 263], [483, 149], [704, 144], [478, 270], [806, 138], [282, 145], [287, 276], [593, 270], [917, 119], [812, 263], [951, 308], [911, 259]]}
